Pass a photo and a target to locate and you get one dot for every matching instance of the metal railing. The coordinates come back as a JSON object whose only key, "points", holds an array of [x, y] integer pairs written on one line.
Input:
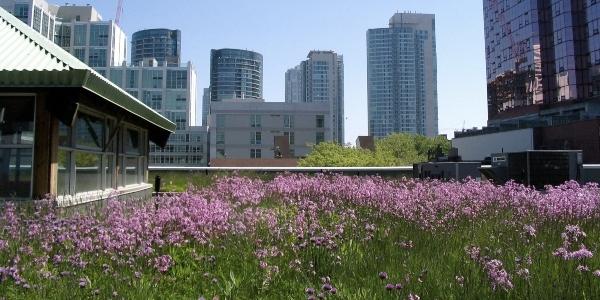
{"points": [[591, 172]]}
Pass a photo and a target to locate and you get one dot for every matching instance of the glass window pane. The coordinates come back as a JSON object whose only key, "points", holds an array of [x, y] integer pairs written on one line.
{"points": [[16, 121], [131, 170], [89, 132], [80, 33], [87, 172], [97, 58], [64, 135], [132, 79], [98, 35], [64, 168], [152, 78], [15, 172], [132, 142], [109, 167]]}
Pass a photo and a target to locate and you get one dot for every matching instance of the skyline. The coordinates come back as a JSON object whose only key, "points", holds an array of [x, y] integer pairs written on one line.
{"points": [[460, 46]]}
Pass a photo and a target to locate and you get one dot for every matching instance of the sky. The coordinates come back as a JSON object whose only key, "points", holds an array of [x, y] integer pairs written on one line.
{"points": [[284, 31]]}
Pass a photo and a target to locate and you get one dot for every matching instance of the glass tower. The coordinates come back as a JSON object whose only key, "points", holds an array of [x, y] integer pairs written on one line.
{"points": [[540, 55], [402, 76], [164, 45], [235, 74]]}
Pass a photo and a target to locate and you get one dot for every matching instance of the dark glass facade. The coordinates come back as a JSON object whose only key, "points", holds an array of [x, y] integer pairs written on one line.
{"points": [[540, 54], [164, 45], [235, 73]]}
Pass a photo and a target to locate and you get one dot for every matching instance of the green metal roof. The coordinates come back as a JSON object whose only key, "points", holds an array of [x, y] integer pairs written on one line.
{"points": [[28, 59]]}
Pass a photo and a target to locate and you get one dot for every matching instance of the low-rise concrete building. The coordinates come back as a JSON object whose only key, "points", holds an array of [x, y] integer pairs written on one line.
{"points": [[577, 135], [242, 129]]}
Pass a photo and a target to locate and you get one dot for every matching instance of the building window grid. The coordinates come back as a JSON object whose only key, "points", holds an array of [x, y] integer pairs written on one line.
{"points": [[37, 18], [256, 138], [255, 121], [99, 35], [255, 153]]}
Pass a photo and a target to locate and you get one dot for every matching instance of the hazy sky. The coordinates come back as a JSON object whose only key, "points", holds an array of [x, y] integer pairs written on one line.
{"points": [[285, 31]]}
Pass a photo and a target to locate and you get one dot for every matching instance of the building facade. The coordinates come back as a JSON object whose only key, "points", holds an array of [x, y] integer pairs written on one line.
{"points": [[320, 78], [81, 31], [172, 92], [38, 14], [245, 129], [235, 74], [402, 76], [164, 45], [541, 56]]}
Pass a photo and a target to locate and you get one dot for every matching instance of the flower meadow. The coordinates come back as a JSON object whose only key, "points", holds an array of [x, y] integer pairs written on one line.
{"points": [[311, 237]]}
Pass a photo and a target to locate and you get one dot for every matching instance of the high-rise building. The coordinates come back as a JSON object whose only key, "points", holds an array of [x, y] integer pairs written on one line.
{"points": [[320, 78], [81, 31], [164, 45], [294, 85], [38, 14], [171, 91], [402, 76], [235, 74], [205, 106], [543, 60]]}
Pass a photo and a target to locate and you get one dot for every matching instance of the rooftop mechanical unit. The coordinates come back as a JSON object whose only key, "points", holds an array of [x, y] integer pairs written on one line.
{"points": [[447, 170], [536, 168]]}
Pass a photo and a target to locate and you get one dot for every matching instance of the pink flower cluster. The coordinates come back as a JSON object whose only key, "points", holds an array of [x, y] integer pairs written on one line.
{"points": [[572, 235], [498, 275]]}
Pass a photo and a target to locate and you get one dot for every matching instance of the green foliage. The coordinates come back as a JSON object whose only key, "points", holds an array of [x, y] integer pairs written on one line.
{"points": [[395, 150], [330, 154]]}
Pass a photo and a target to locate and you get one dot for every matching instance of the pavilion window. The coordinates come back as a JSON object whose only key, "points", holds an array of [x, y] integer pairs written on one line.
{"points": [[85, 160], [16, 146], [133, 155]]}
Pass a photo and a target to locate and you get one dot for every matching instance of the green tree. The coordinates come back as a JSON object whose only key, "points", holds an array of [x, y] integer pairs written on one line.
{"points": [[330, 154], [395, 150]]}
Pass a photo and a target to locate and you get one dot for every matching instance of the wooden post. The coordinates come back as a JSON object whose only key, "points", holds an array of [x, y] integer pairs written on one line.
{"points": [[41, 148], [53, 156]]}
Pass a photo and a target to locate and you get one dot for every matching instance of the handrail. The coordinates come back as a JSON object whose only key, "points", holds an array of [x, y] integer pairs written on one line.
{"points": [[285, 169]]}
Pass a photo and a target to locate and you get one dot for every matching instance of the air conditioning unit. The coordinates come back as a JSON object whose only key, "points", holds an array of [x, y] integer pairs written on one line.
{"points": [[536, 168]]}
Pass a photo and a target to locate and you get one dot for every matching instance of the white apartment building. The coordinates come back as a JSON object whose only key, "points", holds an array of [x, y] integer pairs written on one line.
{"points": [[38, 14], [171, 91], [81, 31]]}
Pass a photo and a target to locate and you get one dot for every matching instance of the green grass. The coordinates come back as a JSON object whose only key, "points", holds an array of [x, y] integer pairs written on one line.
{"points": [[238, 275], [227, 268], [178, 181]]}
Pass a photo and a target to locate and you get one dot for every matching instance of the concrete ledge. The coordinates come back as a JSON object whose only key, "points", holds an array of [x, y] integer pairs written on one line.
{"points": [[143, 190]]}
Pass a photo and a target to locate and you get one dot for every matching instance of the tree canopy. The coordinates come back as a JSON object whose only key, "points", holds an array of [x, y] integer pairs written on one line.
{"points": [[399, 149]]}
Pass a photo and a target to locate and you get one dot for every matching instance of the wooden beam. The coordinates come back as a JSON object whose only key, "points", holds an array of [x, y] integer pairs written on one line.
{"points": [[112, 135]]}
